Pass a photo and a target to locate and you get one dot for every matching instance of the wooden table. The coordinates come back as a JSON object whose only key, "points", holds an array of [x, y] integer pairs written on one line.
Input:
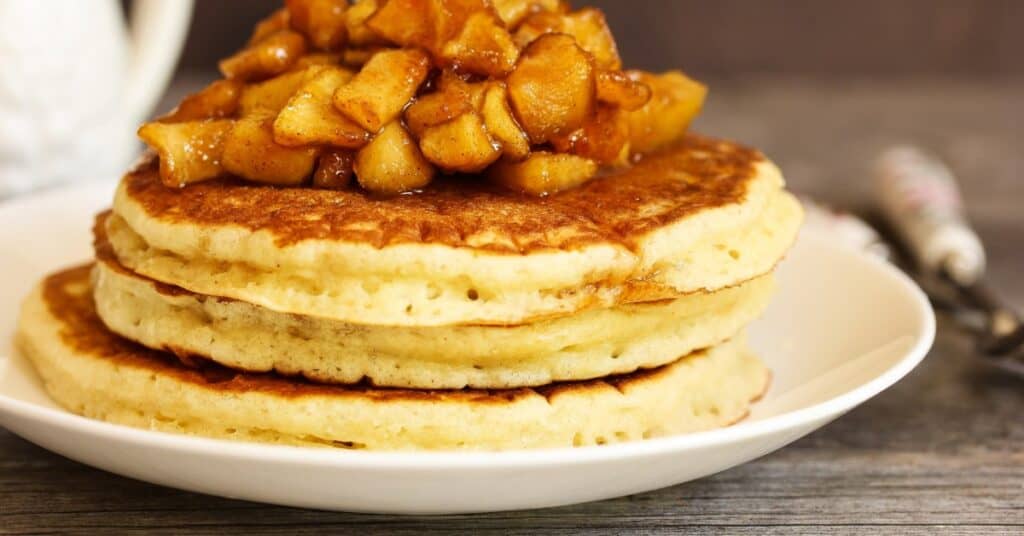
{"points": [[942, 451]]}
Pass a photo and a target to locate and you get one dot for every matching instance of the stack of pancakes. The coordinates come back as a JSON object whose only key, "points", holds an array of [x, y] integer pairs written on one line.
{"points": [[459, 317]]}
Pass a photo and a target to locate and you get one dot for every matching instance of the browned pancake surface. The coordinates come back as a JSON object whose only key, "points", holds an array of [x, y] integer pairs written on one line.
{"points": [[621, 207], [69, 299]]}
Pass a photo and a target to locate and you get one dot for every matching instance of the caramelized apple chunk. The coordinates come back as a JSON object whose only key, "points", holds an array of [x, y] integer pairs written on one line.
{"points": [[425, 24], [217, 100], [461, 144], [453, 97], [320, 58], [448, 18], [502, 125], [618, 89], [392, 162], [189, 152], [271, 56], [603, 138], [512, 12], [310, 118], [434, 109], [483, 47], [675, 101], [378, 93], [273, 23], [536, 25], [359, 34], [591, 31], [587, 26], [250, 152], [272, 95], [403, 22], [357, 57], [552, 87], [543, 173], [322, 21]]}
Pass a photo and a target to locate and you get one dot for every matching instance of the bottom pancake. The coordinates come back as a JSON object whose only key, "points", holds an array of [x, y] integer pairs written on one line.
{"points": [[93, 372]]}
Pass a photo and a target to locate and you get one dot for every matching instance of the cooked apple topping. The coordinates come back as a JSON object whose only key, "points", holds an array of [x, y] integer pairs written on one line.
{"points": [[527, 93]]}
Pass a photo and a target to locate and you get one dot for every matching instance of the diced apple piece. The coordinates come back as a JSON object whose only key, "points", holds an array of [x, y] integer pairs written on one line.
{"points": [[588, 26], [461, 144], [482, 47], [359, 34], [675, 101], [392, 163], [273, 23], [604, 138], [543, 173], [404, 22], [334, 169], [189, 152], [448, 18], [435, 109], [552, 87], [592, 34], [323, 21], [215, 101], [452, 98], [310, 117], [271, 56], [251, 153], [538, 24], [512, 12], [378, 93], [502, 125], [618, 89], [272, 95], [426, 24], [357, 57], [320, 58]]}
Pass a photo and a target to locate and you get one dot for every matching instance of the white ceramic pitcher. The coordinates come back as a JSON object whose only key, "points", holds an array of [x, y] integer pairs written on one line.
{"points": [[75, 83]]}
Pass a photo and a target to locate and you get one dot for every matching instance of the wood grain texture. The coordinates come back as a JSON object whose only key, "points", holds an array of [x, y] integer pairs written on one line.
{"points": [[940, 452]]}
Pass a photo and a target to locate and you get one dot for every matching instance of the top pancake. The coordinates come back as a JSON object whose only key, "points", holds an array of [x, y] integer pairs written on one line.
{"points": [[471, 213], [700, 216]]}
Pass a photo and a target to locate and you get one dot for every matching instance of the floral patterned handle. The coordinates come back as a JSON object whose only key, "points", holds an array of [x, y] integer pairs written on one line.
{"points": [[919, 196]]}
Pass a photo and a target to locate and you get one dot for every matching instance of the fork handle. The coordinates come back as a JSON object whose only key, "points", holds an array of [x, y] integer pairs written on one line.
{"points": [[919, 197]]}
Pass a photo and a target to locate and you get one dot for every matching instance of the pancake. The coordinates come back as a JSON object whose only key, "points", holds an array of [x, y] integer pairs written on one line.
{"points": [[95, 373], [591, 344], [701, 216]]}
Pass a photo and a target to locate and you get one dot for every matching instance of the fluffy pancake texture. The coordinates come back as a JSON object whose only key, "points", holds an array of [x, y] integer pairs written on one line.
{"points": [[703, 215], [93, 372], [591, 344]]}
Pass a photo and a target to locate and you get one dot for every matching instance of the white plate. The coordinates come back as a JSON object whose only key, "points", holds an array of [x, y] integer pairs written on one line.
{"points": [[843, 328]]}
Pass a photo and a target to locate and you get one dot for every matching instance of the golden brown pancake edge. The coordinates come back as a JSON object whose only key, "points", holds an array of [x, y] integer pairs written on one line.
{"points": [[68, 297], [699, 173]]}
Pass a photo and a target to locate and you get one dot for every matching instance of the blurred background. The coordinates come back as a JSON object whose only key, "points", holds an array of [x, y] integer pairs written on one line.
{"points": [[724, 38]]}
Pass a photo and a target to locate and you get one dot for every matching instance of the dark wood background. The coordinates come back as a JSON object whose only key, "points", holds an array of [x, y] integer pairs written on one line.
{"points": [[724, 37]]}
